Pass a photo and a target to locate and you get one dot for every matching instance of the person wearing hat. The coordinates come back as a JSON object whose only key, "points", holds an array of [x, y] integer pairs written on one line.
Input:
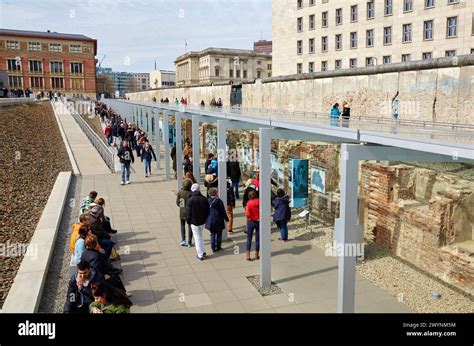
{"points": [[197, 211], [95, 214]]}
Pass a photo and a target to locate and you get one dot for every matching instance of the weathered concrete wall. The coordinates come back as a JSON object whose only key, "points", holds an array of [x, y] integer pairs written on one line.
{"points": [[437, 90]]}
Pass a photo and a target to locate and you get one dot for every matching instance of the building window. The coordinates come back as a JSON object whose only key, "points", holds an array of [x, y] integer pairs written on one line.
{"points": [[311, 67], [406, 32], [324, 19], [269, 74], [15, 81], [428, 30], [36, 82], [311, 2], [299, 68], [245, 74], [472, 50], [369, 61], [75, 48], [338, 41], [324, 65], [338, 16], [388, 8], [387, 59], [57, 83], [311, 22], [370, 9], [407, 5], [299, 4], [324, 44], [216, 71], [354, 13], [299, 24], [311, 45], [34, 46], [354, 39], [269, 66], [13, 65], [77, 84], [55, 47], [56, 67], [238, 73], [36, 66], [299, 47], [406, 57], [453, 2], [450, 53], [259, 74], [76, 67], [429, 3], [370, 38], [13, 45], [353, 63], [337, 64], [452, 27], [427, 56], [231, 73], [387, 35]]}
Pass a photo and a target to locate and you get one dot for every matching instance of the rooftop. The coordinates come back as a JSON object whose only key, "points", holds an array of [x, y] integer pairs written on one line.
{"points": [[44, 34], [222, 51]]}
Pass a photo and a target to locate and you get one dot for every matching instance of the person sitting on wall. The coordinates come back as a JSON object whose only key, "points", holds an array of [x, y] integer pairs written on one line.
{"points": [[213, 102], [203, 104], [219, 103]]}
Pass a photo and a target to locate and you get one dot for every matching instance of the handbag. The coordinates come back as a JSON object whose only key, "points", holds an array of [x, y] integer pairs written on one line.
{"points": [[114, 256]]}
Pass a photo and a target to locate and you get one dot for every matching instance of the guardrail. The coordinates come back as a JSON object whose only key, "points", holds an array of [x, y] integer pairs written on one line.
{"points": [[107, 155]]}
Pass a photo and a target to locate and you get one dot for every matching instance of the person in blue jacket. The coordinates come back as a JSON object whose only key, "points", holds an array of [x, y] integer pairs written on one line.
{"points": [[282, 214], [147, 155], [335, 114], [215, 222]]}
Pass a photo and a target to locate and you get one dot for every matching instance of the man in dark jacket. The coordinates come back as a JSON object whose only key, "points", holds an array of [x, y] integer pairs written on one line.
{"points": [[147, 155], [234, 173], [181, 200], [79, 293], [125, 154], [197, 211], [282, 214], [210, 157], [230, 207], [215, 222]]}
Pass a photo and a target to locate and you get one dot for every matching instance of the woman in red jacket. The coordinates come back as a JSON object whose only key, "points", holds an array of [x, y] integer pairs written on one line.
{"points": [[253, 217]]}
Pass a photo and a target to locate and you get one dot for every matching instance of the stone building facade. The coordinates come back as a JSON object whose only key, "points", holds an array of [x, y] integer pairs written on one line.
{"points": [[222, 65], [320, 35]]}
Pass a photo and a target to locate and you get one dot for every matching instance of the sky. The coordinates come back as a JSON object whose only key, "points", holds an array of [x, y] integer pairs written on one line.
{"points": [[133, 34]]}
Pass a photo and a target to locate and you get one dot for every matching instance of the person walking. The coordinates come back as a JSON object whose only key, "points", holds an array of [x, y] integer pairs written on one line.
{"points": [[282, 214], [147, 155], [335, 113], [125, 154], [197, 211], [230, 207], [108, 134], [215, 222], [235, 174], [173, 158], [181, 201], [253, 224]]}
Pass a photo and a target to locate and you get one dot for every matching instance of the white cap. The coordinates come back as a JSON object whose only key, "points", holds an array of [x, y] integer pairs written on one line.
{"points": [[195, 187]]}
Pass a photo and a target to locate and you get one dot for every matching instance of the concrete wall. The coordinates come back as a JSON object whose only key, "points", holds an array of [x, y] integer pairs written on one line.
{"points": [[437, 90]]}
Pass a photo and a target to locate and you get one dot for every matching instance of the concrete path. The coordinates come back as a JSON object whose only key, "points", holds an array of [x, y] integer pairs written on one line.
{"points": [[87, 158], [166, 277]]}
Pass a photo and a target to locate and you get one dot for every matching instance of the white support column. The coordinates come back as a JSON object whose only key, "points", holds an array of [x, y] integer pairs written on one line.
{"points": [[179, 150], [166, 141], [345, 228], [265, 138], [149, 132], [196, 148], [222, 164], [157, 139]]}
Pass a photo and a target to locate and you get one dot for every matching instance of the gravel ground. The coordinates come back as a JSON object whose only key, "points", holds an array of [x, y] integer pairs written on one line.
{"points": [[55, 288], [32, 153], [267, 291], [397, 277]]}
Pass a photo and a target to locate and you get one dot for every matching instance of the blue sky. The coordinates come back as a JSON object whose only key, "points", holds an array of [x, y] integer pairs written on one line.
{"points": [[133, 34]]}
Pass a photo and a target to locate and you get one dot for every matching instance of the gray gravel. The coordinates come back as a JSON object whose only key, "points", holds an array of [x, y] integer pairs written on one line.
{"points": [[267, 291], [400, 279], [55, 288]]}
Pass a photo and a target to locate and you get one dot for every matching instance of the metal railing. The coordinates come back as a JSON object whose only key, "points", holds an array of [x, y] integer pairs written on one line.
{"points": [[104, 151]]}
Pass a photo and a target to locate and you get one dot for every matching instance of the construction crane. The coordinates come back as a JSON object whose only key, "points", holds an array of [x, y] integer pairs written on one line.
{"points": [[100, 62]]}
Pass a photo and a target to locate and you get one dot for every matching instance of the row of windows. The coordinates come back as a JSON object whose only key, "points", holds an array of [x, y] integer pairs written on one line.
{"points": [[36, 46], [37, 66], [370, 61], [217, 73], [38, 82], [169, 83], [388, 5], [407, 35], [339, 17]]}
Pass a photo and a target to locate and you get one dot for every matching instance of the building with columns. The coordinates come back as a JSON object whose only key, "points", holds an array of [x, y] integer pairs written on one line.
{"points": [[221, 65], [43, 61], [320, 35]]}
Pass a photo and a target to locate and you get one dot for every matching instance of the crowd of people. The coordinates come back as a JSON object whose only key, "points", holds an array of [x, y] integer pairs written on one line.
{"points": [[95, 285], [19, 92]]}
